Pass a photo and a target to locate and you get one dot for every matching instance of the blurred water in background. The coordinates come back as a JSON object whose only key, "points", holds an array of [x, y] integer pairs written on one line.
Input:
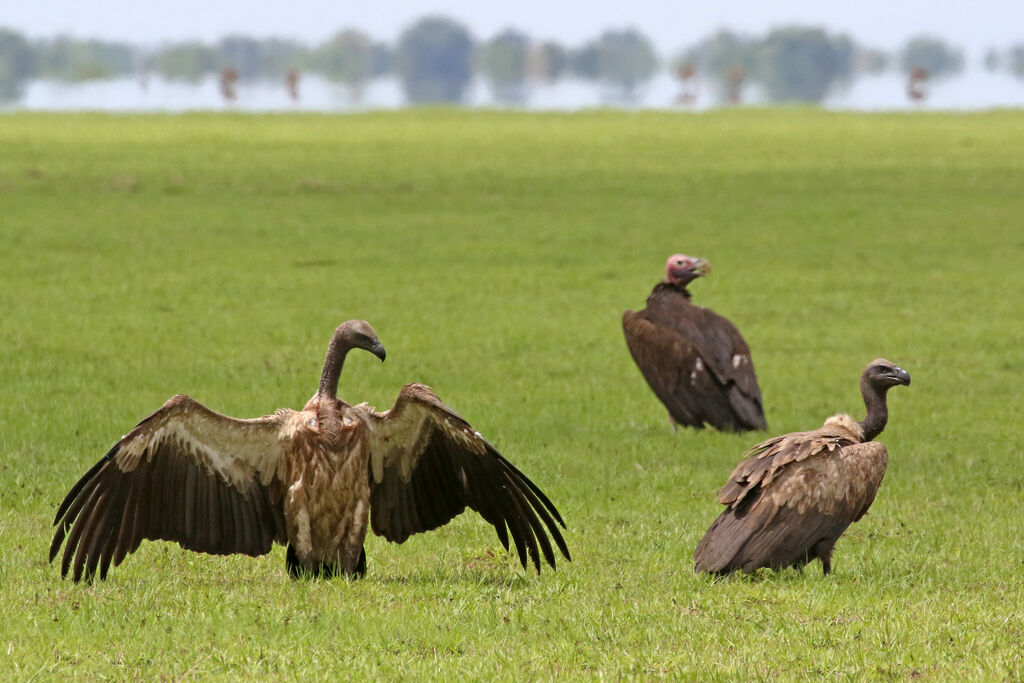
{"points": [[973, 89]]}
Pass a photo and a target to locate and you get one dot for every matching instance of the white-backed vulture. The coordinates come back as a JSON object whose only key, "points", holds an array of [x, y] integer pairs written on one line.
{"points": [[695, 360], [313, 479], [793, 496]]}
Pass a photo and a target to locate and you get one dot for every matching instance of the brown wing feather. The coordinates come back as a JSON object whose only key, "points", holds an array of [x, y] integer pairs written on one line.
{"points": [[718, 341], [729, 358], [695, 361], [767, 459], [865, 464], [665, 360], [427, 465], [186, 474], [763, 534], [766, 536]]}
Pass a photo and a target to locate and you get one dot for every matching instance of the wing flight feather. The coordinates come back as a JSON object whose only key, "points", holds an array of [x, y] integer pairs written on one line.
{"points": [[185, 474], [428, 464]]}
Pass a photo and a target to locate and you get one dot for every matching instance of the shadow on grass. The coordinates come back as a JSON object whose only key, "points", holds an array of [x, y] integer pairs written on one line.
{"points": [[435, 576], [769, 576]]}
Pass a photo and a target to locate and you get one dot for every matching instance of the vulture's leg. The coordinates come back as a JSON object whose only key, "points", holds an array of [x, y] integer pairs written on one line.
{"points": [[322, 570], [297, 571], [357, 573], [291, 561], [360, 571], [823, 549], [329, 571]]}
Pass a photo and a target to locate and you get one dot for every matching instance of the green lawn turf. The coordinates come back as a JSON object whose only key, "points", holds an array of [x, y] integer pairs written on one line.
{"points": [[494, 253]]}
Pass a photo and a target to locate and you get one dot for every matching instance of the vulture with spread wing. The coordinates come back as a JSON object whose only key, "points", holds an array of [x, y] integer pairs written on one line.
{"points": [[793, 496], [313, 479], [695, 360]]}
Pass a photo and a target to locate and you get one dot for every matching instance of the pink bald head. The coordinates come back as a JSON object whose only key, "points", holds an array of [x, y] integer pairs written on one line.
{"points": [[680, 269]]}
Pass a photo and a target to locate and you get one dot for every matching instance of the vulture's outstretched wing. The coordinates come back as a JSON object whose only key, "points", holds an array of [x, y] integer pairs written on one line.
{"points": [[427, 465], [791, 501], [188, 474]]}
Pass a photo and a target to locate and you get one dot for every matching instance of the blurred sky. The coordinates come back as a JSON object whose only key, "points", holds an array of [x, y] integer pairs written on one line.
{"points": [[973, 24]]}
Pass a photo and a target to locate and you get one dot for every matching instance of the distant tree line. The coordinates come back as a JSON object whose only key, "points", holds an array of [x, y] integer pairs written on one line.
{"points": [[436, 58], [1011, 59], [804, 64]]}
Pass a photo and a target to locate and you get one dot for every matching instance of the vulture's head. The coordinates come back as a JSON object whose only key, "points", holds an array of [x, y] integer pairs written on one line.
{"points": [[680, 269], [884, 375], [357, 334]]}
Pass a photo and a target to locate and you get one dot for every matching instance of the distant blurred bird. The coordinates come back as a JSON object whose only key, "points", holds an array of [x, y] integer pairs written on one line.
{"points": [[695, 360], [228, 79], [794, 495], [687, 75], [734, 84], [311, 479], [291, 84], [917, 85]]}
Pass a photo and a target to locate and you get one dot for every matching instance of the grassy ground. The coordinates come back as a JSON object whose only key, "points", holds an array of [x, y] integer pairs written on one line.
{"points": [[494, 253]]}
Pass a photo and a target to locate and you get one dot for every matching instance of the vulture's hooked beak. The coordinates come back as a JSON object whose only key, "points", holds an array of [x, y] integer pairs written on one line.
{"points": [[903, 377], [700, 267], [378, 350]]}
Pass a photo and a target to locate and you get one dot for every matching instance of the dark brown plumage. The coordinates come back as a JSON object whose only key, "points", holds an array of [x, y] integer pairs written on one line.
{"points": [[793, 496], [314, 479], [695, 360]]}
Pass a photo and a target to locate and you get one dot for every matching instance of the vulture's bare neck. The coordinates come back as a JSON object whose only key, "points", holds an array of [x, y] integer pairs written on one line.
{"points": [[336, 353], [666, 286], [878, 411]]}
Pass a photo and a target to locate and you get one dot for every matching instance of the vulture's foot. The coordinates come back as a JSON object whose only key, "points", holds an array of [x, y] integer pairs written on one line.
{"points": [[291, 561], [360, 571], [823, 549], [322, 570]]}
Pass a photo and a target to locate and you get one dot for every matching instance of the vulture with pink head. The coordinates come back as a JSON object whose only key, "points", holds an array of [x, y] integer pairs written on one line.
{"points": [[695, 360], [315, 479], [793, 496]]}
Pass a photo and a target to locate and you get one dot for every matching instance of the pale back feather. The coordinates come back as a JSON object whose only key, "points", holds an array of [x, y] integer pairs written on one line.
{"points": [[237, 450], [766, 460]]}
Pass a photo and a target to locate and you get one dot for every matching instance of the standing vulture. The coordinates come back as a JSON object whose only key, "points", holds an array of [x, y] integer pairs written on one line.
{"points": [[312, 479], [694, 359], [794, 495]]}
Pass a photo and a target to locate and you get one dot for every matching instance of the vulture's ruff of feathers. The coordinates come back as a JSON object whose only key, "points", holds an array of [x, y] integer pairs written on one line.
{"points": [[696, 361], [310, 479], [794, 495]]}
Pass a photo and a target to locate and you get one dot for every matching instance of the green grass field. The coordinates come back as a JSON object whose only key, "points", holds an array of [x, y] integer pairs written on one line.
{"points": [[494, 253]]}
